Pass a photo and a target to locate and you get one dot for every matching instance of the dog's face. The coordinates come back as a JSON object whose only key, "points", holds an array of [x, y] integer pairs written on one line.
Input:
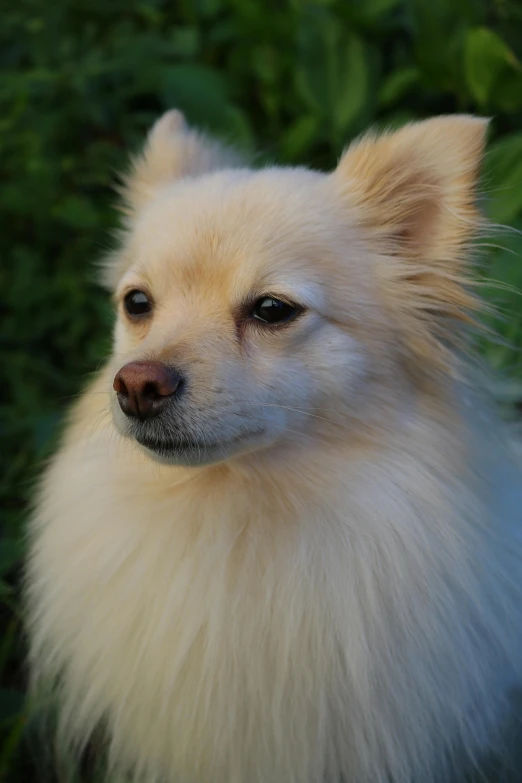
{"points": [[269, 308], [239, 278]]}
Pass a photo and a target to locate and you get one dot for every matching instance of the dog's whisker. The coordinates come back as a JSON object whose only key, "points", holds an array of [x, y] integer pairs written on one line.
{"points": [[297, 410]]}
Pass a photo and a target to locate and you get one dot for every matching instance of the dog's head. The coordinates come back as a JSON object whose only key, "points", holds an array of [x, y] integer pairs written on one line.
{"points": [[277, 306]]}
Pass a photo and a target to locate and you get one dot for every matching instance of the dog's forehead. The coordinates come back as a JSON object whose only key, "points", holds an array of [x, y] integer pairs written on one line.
{"points": [[245, 228]]}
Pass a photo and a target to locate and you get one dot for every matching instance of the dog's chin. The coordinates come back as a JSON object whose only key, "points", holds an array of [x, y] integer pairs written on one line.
{"points": [[194, 453], [185, 449]]}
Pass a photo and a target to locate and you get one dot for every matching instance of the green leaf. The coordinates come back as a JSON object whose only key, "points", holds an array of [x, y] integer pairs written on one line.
{"points": [[333, 74], [501, 285], [486, 56], [397, 85], [372, 10], [503, 179], [185, 41], [239, 129], [77, 212], [318, 59], [507, 95], [353, 85], [200, 92], [299, 136], [439, 29], [207, 8]]}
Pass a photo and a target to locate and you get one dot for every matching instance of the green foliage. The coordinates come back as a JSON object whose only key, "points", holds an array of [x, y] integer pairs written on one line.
{"points": [[81, 82]]}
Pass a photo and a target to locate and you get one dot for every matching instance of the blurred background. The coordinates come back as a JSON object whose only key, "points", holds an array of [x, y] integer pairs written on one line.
{"points": [[294, 81]]}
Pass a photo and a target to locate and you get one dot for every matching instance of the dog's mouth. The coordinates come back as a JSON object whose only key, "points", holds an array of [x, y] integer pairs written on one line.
{"points": [[193, 451], [199, 442]]}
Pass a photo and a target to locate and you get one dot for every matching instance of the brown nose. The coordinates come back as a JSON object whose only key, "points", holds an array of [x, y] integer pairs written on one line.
{"points": [[144, 387]]}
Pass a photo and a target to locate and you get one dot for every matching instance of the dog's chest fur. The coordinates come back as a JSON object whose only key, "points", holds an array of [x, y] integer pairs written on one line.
{"points": [[282, 627]]}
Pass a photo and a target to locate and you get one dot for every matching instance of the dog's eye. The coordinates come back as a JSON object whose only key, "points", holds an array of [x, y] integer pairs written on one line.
{"points": [[137, 303], [272, 311]]}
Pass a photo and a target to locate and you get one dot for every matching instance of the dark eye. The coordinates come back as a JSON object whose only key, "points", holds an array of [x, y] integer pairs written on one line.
{"points": [[137, 303], [273, 311]]}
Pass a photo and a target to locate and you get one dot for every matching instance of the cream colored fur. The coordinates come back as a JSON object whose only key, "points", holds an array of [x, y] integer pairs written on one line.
{"points": [[336, 595]]}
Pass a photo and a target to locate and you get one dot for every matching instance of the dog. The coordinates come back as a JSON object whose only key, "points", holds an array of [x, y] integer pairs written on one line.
{"points": [[280, 540]]}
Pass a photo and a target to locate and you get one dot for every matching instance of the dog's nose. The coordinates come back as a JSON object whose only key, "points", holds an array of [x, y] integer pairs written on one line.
{"points": [[143, 388]]}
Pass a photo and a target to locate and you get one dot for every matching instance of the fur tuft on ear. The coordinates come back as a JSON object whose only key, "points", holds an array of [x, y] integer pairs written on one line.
{"points": [[172, 151], [413, 192]]}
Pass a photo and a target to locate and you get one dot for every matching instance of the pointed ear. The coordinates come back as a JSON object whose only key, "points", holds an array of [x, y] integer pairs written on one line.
{"points": [[413, 192], [171, 151]]}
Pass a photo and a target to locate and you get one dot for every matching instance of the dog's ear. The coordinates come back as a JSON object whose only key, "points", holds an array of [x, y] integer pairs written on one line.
{"points": [[413, 192], [172, 150]]}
